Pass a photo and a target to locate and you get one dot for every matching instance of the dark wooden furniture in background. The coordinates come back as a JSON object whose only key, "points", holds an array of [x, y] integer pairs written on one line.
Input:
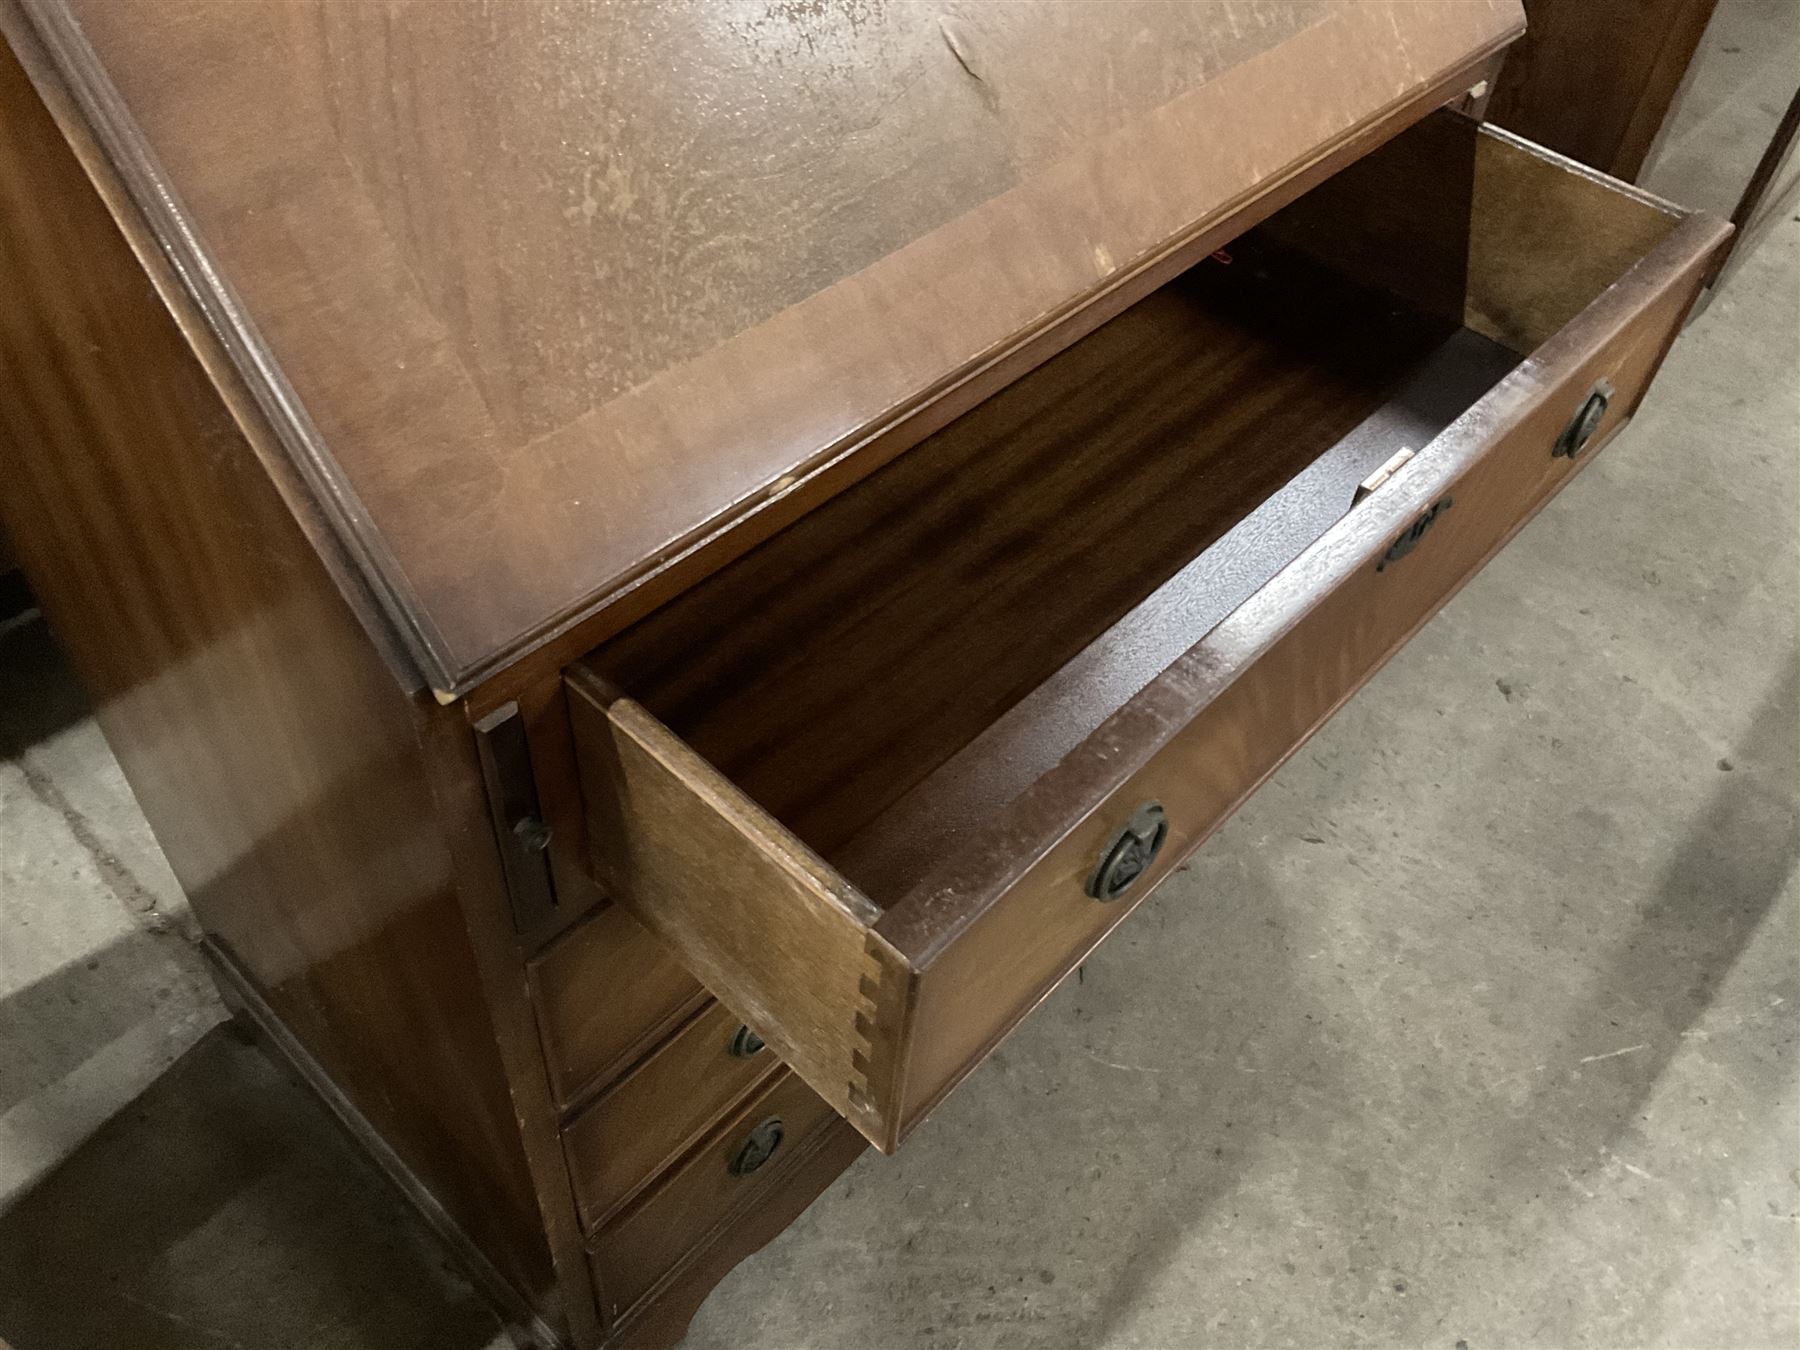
{"points": [[1594, 79], [1597, 80], [663, 578], [15, 596], [1744, 215], [17, 604]]}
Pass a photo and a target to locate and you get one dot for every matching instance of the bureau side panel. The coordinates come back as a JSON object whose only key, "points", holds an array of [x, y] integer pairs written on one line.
{"points": [[1595, 79], [271, 749]]}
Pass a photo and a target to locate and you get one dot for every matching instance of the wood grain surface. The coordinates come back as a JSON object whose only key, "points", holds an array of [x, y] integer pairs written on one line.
{"points": [[628, 272], [701, 1195], [627, 1137], [605, 994], [977, 834], [264, 737], [1595, 79], [763, 921], [895, 624], [1547, 236], [1203, 735], [660, 1323]]}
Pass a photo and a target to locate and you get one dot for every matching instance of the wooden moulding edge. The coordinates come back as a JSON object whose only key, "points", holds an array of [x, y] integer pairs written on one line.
{"points": [[63, 57]]}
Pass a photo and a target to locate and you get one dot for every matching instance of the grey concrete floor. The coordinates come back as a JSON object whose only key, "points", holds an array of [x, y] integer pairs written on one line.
{"points": [[1476, 1026]]}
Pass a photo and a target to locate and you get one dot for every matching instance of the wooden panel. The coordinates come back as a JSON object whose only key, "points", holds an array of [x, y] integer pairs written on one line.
{"points": [[639, 1127], [950, 809], [1546, 238], [661, 1323], [1479, 227], [636, 1250], [465, 815], [1594, 79], [1203, 735], [987, 905], [606, 992], [263, 735], [765, 923], [1398, 218], [888, 633], [713, 254]]}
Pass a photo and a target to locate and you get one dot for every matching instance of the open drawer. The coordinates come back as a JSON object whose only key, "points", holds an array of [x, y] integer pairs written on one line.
{"points": [[885, 780]]}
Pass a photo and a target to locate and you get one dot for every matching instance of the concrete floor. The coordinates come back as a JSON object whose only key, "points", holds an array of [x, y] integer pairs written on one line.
{"points": [[1477, 1026]]}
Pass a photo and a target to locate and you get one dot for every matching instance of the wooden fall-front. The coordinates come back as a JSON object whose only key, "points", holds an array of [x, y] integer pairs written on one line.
{"points": [[663, 576]]}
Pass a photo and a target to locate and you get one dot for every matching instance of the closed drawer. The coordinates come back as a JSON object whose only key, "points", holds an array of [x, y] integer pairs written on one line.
{"points": [[745, 1158], [886, 780], [606, 993], [646, 1121]]}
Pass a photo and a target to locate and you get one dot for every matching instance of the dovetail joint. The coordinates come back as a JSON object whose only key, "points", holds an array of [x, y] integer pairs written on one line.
{"points": [[864, 1057]]}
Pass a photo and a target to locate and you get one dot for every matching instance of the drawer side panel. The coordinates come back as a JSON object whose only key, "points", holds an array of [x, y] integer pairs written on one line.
{"points": [[777, 935]]}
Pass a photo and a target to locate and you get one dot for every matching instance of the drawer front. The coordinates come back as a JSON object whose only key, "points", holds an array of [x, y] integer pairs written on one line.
{"points": [[884, 1010], [645, 1122], [714, 1184], [606, 992]]}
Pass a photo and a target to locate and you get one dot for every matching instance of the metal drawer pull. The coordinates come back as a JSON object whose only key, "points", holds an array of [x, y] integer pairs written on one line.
{"points": [[1407, 542], [1585, 423], [1130, 852], [745, 1044], [758, 1147]]}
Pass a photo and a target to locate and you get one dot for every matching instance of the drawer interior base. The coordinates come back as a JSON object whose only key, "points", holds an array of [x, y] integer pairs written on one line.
{"points": [[916, 652], [896, 847]]}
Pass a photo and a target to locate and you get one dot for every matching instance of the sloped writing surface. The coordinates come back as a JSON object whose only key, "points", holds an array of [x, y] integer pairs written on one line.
{"points": [[560, 288]]}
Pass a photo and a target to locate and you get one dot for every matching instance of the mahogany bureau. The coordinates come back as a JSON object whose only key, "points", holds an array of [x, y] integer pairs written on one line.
{"points": [[664, 572]]}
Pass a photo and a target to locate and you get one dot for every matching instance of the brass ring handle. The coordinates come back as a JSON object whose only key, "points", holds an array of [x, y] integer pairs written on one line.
{"points": [[1585, 423], [1409, 540], [744, 1044], [1129, 853], [758, 1147]]}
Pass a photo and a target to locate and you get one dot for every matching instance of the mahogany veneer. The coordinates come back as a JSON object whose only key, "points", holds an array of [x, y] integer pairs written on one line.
{"points": [[606, 536]]}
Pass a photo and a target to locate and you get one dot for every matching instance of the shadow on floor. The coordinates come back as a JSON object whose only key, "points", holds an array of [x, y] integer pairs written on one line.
{"points": [[52, 1026], [1092, 1144], [1666, 969], [38, 692], [224, 1208]]}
